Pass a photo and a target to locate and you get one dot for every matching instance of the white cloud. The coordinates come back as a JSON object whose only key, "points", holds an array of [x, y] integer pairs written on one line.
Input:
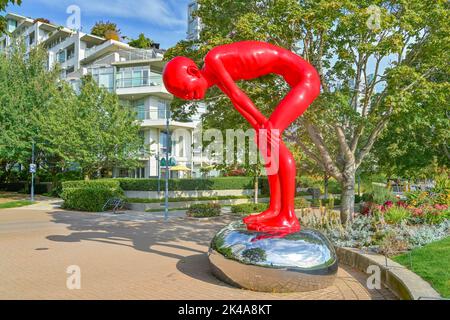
{"points": [[157, 12]]}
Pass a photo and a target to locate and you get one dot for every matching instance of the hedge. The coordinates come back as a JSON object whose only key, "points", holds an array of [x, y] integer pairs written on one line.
{"points": [[105, 183], [89, 198], [222, 183], [203, 210], [247, 208], [23, 187]]}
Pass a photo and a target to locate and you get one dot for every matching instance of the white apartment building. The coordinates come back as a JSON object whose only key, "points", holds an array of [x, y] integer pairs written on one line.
{"points": [[135, 75], [194, 23]]}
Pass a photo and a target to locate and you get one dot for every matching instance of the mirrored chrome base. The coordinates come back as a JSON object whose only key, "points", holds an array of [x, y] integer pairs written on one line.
{"points": [[259, 261]]}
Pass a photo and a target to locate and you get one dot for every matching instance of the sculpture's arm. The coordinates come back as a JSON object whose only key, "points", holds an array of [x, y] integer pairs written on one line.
{"points": [[254, 123], [239, 99]]}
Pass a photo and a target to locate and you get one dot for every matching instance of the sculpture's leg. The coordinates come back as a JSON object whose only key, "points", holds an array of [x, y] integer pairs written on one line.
{"points": [[286, 220], [291, 107], [275, 202], [273, 179]]}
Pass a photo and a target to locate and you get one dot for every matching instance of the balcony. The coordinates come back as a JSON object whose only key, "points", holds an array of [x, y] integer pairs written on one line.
{"points": [[136, 82], [139, 87], [156, 118], [153, 114]]}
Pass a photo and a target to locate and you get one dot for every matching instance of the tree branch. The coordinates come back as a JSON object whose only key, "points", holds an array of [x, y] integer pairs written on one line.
{"points": [[371, 140], [328, 162]]}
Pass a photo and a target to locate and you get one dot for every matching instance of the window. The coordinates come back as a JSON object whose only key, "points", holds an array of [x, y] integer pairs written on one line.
{"points": [[164, 142], [31, 38], [139, 107], [133, 77], [70, 52], [12, 25], [104, 77], [162, 109], [70, 69], [181, 146], [61, 56]]}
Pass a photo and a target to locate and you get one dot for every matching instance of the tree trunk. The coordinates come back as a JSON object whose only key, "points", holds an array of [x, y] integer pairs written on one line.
{"points": [[348, 197], [256, 186], [325, 185]]}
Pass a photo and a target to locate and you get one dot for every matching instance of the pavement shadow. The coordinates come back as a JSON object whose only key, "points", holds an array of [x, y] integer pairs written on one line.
{"points": [[139, 232]]}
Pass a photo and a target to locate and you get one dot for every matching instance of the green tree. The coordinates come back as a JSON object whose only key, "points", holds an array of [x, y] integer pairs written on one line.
{"points": [[3, 5], [348, 42], [95, 131], [26, 90], [142, 42], [418, 135], [107, 30]]}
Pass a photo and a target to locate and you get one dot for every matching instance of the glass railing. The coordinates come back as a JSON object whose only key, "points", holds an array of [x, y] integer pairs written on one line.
{"points": [[139, 82], [156, 114]]}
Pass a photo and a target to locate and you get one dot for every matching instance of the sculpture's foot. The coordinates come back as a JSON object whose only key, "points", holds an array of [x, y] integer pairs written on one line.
{"points": [[254, 218], [285, 223]]}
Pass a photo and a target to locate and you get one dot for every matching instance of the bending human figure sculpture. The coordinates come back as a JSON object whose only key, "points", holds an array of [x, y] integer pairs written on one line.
{"points": [[246, 60]]}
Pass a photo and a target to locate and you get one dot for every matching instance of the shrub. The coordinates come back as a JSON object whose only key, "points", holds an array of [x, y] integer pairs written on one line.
{"points": [[330, 202], [60, 178], [381, 195], [392, 244], [425, 234], [247, 208], [203, 210], [13, 187], [90, 198], [222, 183], [395, 215], [90, 195], [301, 203], [105, 183]]}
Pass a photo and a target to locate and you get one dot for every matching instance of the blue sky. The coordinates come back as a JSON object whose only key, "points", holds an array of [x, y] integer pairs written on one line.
{"points": [[164, 21]]}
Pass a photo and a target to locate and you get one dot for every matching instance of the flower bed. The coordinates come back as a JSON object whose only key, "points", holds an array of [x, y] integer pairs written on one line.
{"points": [[392, 227]]}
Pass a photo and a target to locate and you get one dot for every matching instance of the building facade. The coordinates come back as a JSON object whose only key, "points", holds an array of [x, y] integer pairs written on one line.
{"points": [[194, 23], [135, 75]]}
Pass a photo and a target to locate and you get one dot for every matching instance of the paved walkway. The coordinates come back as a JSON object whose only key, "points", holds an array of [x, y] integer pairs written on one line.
{"points": [[128, 256]]}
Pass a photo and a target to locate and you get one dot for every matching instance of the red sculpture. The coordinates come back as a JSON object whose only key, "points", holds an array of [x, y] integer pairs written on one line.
{"points": [[226, 64]]}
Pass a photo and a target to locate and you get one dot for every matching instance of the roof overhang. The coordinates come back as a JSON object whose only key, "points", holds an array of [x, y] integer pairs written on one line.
{"points": [[92, 39]]}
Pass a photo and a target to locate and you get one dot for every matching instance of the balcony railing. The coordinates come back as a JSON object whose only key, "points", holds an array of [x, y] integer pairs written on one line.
{"points": [[134, 82], [156, 114], [137, 54]]}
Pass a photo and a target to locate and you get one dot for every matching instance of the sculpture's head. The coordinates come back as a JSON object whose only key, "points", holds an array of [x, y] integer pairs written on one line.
{"points": [[183, 79]]}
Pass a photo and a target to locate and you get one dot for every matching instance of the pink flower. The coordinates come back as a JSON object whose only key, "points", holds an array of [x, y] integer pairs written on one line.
{"points": [[441, 206], [402, 204]]}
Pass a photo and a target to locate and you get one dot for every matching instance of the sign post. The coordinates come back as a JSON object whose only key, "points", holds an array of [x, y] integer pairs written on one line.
{"points": [[32, 171], [166, 203]]}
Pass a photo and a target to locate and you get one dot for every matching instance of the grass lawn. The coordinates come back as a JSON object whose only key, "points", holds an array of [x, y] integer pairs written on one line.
{"points": [[432, 263], [15, 204]]}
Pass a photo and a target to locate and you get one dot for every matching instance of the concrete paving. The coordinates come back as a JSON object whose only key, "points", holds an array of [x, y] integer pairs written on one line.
{"points": [[127, 256]]}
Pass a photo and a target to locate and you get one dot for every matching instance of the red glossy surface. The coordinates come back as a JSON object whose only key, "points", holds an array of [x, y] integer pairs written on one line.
{"points": [[246, 60]]}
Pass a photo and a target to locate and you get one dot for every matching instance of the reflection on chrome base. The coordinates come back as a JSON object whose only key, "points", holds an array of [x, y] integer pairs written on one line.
{"points": [[269, 262]]}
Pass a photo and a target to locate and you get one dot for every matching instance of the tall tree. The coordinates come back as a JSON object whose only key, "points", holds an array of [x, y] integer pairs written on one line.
{"points": [[348, 42], [3, 5], [95, 132], [26, 89], [419, 135], [142, 42], [107, 30]]}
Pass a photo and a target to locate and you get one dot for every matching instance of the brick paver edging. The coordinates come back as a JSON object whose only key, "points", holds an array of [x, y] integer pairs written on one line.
{"points": [[404, 283]]}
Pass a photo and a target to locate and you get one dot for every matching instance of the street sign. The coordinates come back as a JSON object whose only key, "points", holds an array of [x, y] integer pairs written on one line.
{"points": [[32, 168]]}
